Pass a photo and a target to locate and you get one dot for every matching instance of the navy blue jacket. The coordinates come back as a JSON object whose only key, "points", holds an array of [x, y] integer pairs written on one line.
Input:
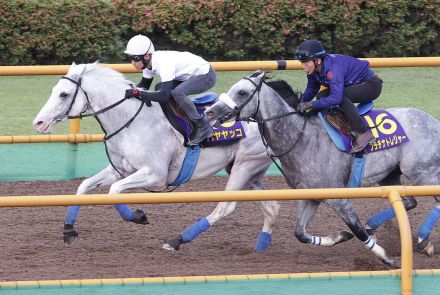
{"points": [[337, 72]]}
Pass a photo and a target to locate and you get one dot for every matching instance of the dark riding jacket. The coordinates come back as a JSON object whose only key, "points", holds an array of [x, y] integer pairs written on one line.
{"points": [[337, 72]]}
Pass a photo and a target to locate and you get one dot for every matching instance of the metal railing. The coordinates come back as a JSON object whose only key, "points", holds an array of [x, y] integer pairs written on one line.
{"points": [[392, 193]]}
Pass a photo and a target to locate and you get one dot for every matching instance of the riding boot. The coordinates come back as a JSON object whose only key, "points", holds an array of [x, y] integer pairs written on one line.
{"points": [[362, 140], [202, 131]]}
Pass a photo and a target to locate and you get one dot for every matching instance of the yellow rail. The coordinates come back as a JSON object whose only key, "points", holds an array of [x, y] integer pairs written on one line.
{"points": [[393, 193], [218, 196], [204, 279], [78, 137], [227, 66]]}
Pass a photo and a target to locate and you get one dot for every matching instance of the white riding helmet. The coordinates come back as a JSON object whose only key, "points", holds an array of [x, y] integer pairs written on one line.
{"points": [[139, 45]]}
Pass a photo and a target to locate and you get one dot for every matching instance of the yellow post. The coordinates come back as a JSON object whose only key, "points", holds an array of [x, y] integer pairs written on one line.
{"points": [[75, 125], [405, 242]]}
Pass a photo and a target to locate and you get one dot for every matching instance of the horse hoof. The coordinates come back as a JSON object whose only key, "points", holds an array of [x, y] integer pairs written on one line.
{"points": [[426, 247], [69, 234], [140, 217], [173, 244], [390, 263]]}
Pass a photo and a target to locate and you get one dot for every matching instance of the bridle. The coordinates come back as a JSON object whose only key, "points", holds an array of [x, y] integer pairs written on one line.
{"points": [[95, 114], [236, 114]]}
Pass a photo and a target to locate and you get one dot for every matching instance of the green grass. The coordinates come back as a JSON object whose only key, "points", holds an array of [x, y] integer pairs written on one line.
{"points": [[22, 97]]}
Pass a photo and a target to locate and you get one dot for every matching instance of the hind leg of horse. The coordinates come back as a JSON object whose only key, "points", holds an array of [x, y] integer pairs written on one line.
{"points": [[345, 210], [387, 214], [223, 209], [270, 211], [424, 244], [306, 210]]}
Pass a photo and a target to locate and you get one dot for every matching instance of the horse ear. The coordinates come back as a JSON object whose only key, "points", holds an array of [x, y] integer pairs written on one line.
{"points": [[256, 73], [72, 66]]}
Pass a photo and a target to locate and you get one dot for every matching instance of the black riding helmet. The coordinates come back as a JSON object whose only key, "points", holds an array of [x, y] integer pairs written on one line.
{"points": [[309, 49]]}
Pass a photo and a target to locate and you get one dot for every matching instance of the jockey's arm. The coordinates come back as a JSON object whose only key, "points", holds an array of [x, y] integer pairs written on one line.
{"points": [[163, 95], [145, 83], [311, 89]]}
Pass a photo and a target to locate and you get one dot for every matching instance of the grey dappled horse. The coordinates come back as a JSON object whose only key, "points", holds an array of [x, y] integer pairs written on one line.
{"points": [[311, 160], [145, 151]]}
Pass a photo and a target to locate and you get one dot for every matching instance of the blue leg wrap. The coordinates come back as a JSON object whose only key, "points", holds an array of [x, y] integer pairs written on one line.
{"points": [[263, 242], [429, 223], [379, 218], [195, 230], [71, 214], [125, 212]]}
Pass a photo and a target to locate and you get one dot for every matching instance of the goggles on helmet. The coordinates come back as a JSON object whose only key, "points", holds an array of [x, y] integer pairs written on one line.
{"points": [[303, 55], [136, 58]]}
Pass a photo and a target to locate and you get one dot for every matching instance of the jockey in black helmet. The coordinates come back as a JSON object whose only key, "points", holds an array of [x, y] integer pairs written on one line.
{"points": [[348, 81]]}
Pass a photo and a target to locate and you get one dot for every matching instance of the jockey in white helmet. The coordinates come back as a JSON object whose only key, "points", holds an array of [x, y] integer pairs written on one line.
{"points": [[181, 74]]}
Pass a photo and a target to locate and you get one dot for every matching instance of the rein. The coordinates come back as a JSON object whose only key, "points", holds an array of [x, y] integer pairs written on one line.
{"points": [[95, 114], [261, 123]]}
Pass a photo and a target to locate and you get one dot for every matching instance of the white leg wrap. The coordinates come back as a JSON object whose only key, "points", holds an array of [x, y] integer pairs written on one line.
{"points": [[323, 241], [378, 250]]}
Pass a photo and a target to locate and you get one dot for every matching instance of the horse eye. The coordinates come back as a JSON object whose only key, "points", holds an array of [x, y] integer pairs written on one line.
{"points": [[63, 94], [242, 92]]}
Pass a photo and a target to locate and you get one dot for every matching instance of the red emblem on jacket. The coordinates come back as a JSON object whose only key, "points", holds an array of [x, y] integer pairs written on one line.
{"points": [[329, 75]]}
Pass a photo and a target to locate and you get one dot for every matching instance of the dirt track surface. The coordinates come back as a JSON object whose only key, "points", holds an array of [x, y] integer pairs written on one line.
{"points": [[32, 246]]}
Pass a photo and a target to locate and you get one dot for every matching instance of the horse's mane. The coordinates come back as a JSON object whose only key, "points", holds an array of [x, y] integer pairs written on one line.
{"points": [[290, 96], [100, 72]]}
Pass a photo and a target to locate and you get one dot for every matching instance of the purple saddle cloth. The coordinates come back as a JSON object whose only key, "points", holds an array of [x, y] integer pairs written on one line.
{"points": [[385, 127], [226, 133]]}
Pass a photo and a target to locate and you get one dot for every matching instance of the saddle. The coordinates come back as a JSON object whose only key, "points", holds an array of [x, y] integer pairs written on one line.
{"points": [[225, 134], [337, 119], [385, 127]]}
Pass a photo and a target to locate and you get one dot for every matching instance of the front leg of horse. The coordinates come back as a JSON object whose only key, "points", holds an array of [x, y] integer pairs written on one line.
{"points": [[345, 210], [143, 178], [306, 211], [105, 177]]}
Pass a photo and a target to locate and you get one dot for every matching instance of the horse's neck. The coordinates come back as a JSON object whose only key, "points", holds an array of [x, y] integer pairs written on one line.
{"points": [[114, 118], [282, 130]]}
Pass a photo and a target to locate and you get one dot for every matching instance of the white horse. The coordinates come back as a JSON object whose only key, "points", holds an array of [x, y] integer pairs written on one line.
{"points": [[145, 151]]}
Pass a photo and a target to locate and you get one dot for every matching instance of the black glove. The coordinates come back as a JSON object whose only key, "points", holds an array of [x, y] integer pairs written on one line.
{"points": [[132, 92], [304, 107]]}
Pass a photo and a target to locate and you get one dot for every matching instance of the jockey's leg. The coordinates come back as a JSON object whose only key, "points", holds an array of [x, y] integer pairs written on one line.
{"points": [[195, 85], [360, 93]]}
